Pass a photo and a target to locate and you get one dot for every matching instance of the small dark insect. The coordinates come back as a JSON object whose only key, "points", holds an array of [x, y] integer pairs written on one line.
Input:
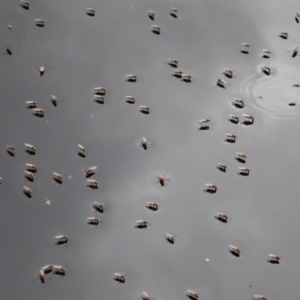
{"points": [[30, 148], [31, 104], [156, 29], [99, 206], [100, 90], [39, 112], [173, 62], [47, 268], [42, 69], [211, 187], [99, 99], [222, 167], [236, 251], [186, 77], [31, 167], [297, 17], [39, 22], [146, 296], [145, 109], [274, 258], [170, 238], [58, 177], [59, 270], [27, 191], [204, 124], [8, 51], [248, 119], [10, 150], [295, 51], [244, 171], [25, 4], [131, 77], [54, 100], [93, 221], [234, 119], [174, 12], [93, 183], [61, 239], [130, 99], [141, 223], [246, 47], [42, 276], [221, 82], [241, 157], [259, 297], [230, 137], [238, 102], [29, 175], [192, 295], [284, 34], [90, 11], [152, 205], [228, 72], [120, 277], [221, 216], [266, 53], [151, 14], [90, 171]]}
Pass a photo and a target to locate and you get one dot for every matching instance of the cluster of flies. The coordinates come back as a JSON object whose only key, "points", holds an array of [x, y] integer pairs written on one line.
{"points": [[99, 93]]}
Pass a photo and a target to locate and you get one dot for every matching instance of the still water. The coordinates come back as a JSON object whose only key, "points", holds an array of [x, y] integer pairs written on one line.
{"points": [[82, 52]]}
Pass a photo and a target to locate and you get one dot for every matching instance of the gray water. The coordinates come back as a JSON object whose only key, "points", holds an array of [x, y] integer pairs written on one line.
{"points": [[82, 52]]}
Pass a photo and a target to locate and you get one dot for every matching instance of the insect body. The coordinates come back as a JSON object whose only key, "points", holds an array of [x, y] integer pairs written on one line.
{"points": [[221, 82], [99, 99], [59, 270], [284, 34], [173, 62], [192, 295], [93, 183], [246, 47], [10, 150], [39, 112], [131, 77], [211, 187], [42, 276], [58, 177], [120, 277], [61, 239], [93, 221], [267, 69], [178, 73], [100, 90], [99, 206], [238, 102], [25, 4], [144, 143], [90, 171], [259, 297], [152, 205], [174, 12], [145, 109], [27, 191], [47, 268], [156, 29], [151, 14], [39, 22], [30, 148], [170, 238], [146, 296], [90, 11], [29, 175], [234, 119], [228, 72], [266, 53], [295, 51], [31, 167], [236, 251], [221, 216], [42, 69], [31, 104], [186, 77], [274, 258], [204, 123], [82, 149], [130, 99], [222, 167], [230, 137], [53, 100], [141, 223]]}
